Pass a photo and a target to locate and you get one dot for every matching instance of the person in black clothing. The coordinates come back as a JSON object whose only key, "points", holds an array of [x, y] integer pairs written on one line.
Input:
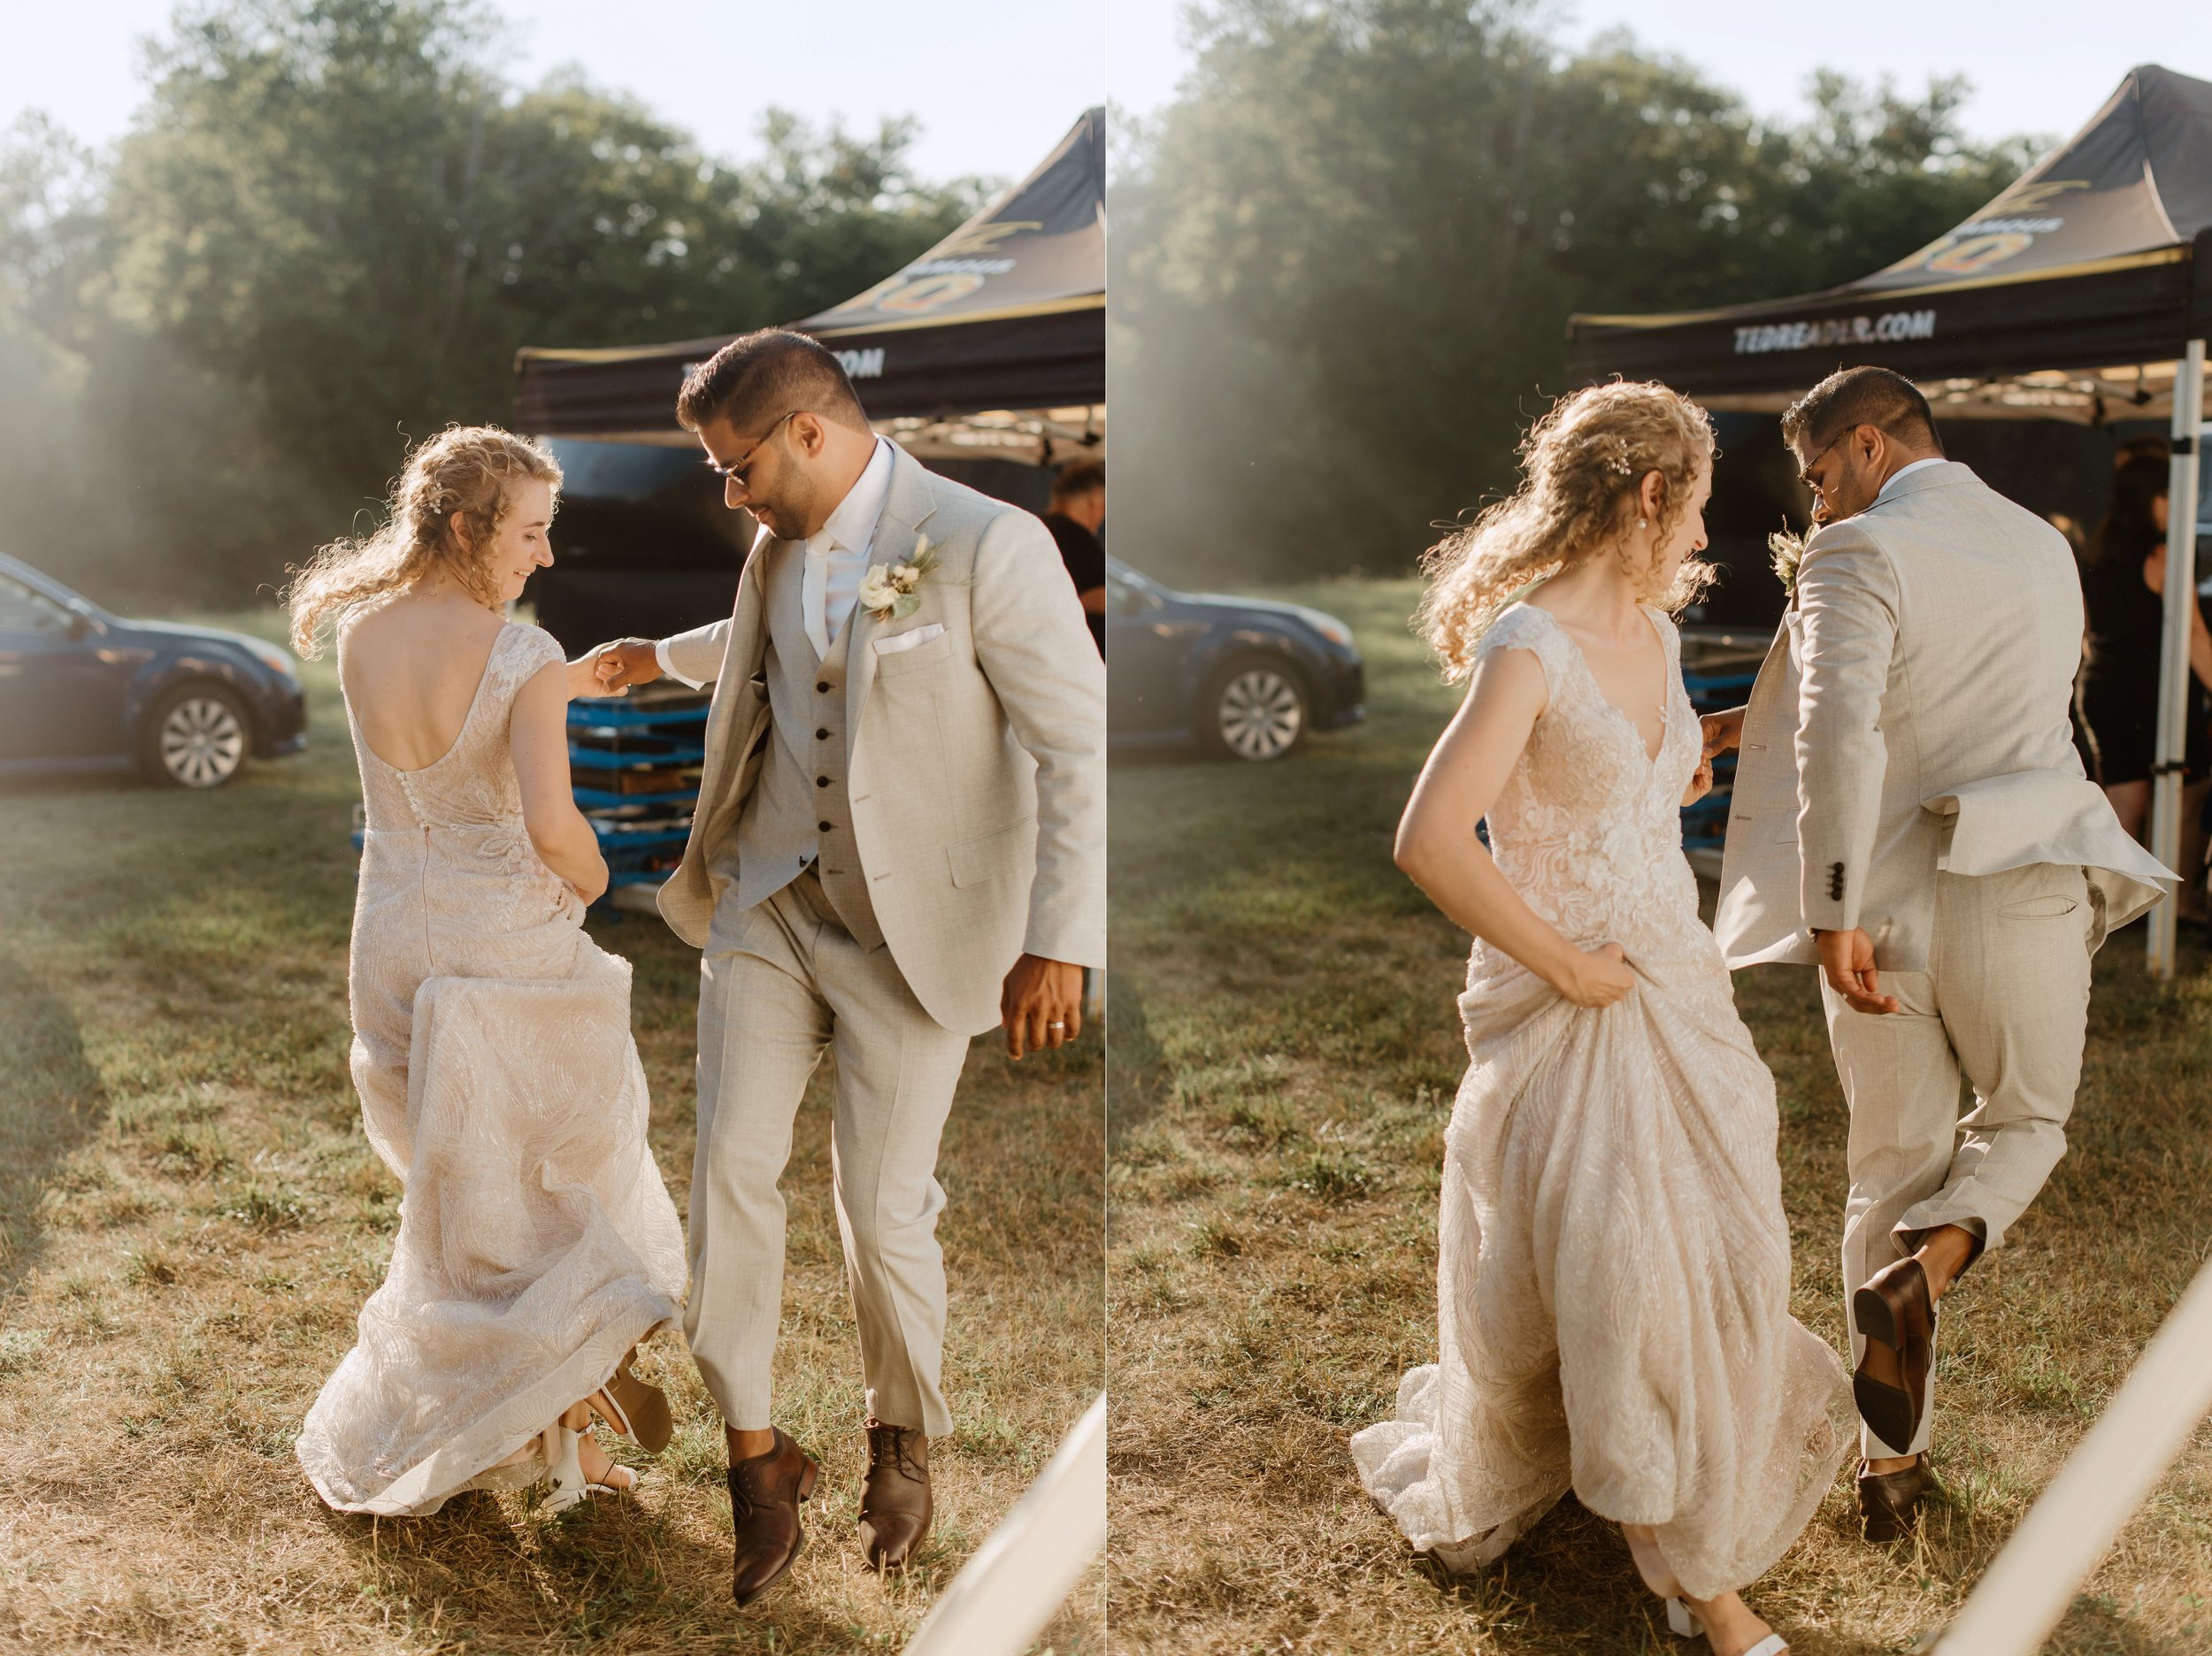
{"points": [[2123, 579], [1075, 516]]}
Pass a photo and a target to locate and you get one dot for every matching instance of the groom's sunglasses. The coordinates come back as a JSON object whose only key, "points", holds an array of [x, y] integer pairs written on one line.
{"points": [[1806, 476], [736, 471]]}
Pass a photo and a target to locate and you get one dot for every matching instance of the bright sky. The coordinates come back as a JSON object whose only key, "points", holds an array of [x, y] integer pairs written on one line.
{"points": [[2037, 65], [995, 83]]}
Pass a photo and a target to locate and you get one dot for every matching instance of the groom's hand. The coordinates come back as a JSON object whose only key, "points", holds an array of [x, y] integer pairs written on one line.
{"points": [[1041, 1005], [626, 662], [1846, 958], [1724, 731]]}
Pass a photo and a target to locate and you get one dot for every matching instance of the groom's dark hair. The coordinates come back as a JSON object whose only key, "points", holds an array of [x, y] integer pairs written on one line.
{"points": [[760, 377], [1852, 397]]}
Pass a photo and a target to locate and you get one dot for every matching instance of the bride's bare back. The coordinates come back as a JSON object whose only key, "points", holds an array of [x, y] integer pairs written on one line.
{"points": [[410, 669]]}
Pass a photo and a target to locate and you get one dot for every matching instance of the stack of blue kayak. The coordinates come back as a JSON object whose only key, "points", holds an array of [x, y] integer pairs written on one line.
{"points": [[634, 762]]}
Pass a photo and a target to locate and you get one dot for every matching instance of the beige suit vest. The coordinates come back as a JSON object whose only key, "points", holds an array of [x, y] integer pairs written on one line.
{"points": [[800, 807]]}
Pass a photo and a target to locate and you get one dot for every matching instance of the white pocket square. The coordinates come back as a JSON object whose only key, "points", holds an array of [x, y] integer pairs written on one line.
{"points": [[899, 641]]}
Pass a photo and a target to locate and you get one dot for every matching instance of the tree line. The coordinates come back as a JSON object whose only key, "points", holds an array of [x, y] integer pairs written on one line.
{"points": [[1344, 257], [330, 227]]}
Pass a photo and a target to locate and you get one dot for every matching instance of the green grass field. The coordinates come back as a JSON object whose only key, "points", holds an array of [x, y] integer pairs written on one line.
{"points": [[1284, 1054], [190, 1219]]}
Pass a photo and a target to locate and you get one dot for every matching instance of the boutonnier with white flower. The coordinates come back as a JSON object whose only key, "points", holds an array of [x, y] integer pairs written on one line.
{"points": [[892, 592], [1788, 550]]}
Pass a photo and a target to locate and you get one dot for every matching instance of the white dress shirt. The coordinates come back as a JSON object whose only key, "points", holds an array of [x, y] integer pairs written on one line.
{"points": [[1905, 471], [836, 558]]}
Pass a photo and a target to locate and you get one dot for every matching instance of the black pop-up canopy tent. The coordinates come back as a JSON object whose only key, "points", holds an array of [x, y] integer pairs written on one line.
{"points": [[993, 343], [2071, 294], [2083, 292]]}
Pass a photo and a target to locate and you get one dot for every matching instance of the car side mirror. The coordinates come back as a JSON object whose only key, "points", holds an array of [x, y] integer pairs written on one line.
{"points": [[79, 624]]}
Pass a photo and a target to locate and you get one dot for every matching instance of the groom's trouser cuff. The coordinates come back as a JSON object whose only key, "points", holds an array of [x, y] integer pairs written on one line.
{"points": [[777, 988], [2004, 1005]]}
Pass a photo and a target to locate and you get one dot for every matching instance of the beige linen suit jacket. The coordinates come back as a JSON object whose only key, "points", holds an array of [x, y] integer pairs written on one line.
{"points": [[1912, 715], [977, 760]]}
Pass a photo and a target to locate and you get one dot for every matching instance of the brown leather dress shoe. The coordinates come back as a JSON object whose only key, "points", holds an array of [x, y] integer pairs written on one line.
{"points": [[894, 1500], [1893, 1309], [765, 1496], [1889, 1502]]}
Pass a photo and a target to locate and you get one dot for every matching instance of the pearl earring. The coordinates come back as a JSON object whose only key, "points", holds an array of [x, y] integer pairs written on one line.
{"points": [[1641, 524]]}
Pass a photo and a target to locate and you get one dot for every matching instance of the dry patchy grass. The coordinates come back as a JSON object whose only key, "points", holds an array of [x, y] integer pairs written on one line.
{"points": [[1285, 1051], [190, 1219]]}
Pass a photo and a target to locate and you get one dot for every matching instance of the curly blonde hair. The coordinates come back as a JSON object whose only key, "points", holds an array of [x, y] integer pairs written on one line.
{"points": [[464, 469], [1582, 465]]}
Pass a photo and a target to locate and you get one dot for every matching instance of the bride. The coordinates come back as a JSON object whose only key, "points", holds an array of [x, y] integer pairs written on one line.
{"points": [[492, 1049], [1614, 1273]]}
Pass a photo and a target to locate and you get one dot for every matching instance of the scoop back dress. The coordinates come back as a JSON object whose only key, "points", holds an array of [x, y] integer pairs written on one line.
{"points": [[498, 1079]]}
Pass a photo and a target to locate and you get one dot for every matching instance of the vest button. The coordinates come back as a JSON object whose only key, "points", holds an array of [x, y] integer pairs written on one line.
{"points": [[823, 687], [821, 781], [825, 827], [821, 735]]}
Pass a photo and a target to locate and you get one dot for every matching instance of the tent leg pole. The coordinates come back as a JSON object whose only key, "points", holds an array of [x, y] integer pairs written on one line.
{"points": [[2111, 1472], [2173, 682]]}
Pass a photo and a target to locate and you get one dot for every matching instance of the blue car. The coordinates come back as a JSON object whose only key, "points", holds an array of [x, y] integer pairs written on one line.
{"points": [[1241, 678], [82, 690]]}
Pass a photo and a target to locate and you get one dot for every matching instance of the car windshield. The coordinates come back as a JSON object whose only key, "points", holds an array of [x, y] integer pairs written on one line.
{"points": [[23, 609], [1122, 576]]}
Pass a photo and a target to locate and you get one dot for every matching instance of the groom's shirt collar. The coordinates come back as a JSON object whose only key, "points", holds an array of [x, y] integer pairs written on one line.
{"points": [[1905, 471], [836, 554], [851, 523]]}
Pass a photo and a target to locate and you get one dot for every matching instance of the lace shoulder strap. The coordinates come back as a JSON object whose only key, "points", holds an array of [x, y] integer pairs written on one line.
{"points": [[1525, 626], [519, 655], [1670, 637]]}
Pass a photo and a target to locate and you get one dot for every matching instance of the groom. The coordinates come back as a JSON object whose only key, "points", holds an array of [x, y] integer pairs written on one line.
{"points": [[1910, 815], [899, 843]]}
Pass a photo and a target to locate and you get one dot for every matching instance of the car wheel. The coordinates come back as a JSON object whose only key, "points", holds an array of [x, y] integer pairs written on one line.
{"points": [[196, 737], [1254, 709]]}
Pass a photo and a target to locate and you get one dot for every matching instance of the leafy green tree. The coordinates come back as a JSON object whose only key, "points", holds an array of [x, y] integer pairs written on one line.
{"points": [[332, 226], [1345, 258]]}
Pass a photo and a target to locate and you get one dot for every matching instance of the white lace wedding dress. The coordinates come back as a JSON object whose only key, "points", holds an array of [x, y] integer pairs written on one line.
{"points": [[498, 1079], [1614, 1274]]}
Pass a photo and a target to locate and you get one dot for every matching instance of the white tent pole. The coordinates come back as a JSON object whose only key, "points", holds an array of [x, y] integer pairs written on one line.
{"points": [[2109, 1476], [2173, 681], [1009, 1588]]}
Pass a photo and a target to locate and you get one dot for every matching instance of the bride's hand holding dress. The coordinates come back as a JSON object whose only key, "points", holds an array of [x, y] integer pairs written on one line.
{"points": [[1468, 768]]}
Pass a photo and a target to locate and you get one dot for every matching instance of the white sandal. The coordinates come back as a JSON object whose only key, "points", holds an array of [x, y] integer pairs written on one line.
{"points": [[563, 1454], [1682, 1624]]}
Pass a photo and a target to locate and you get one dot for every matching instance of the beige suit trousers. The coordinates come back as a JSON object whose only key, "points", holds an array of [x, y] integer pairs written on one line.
{"points": [[781, 984], [2004, 1003]]}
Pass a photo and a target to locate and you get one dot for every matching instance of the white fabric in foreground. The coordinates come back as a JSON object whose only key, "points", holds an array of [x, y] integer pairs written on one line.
{"points": [[2107, 1477], [1003, 1595]]}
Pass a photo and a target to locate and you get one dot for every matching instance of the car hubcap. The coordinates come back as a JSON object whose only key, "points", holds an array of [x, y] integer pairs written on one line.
{"points": [[1261, 715], [202, 742]]}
